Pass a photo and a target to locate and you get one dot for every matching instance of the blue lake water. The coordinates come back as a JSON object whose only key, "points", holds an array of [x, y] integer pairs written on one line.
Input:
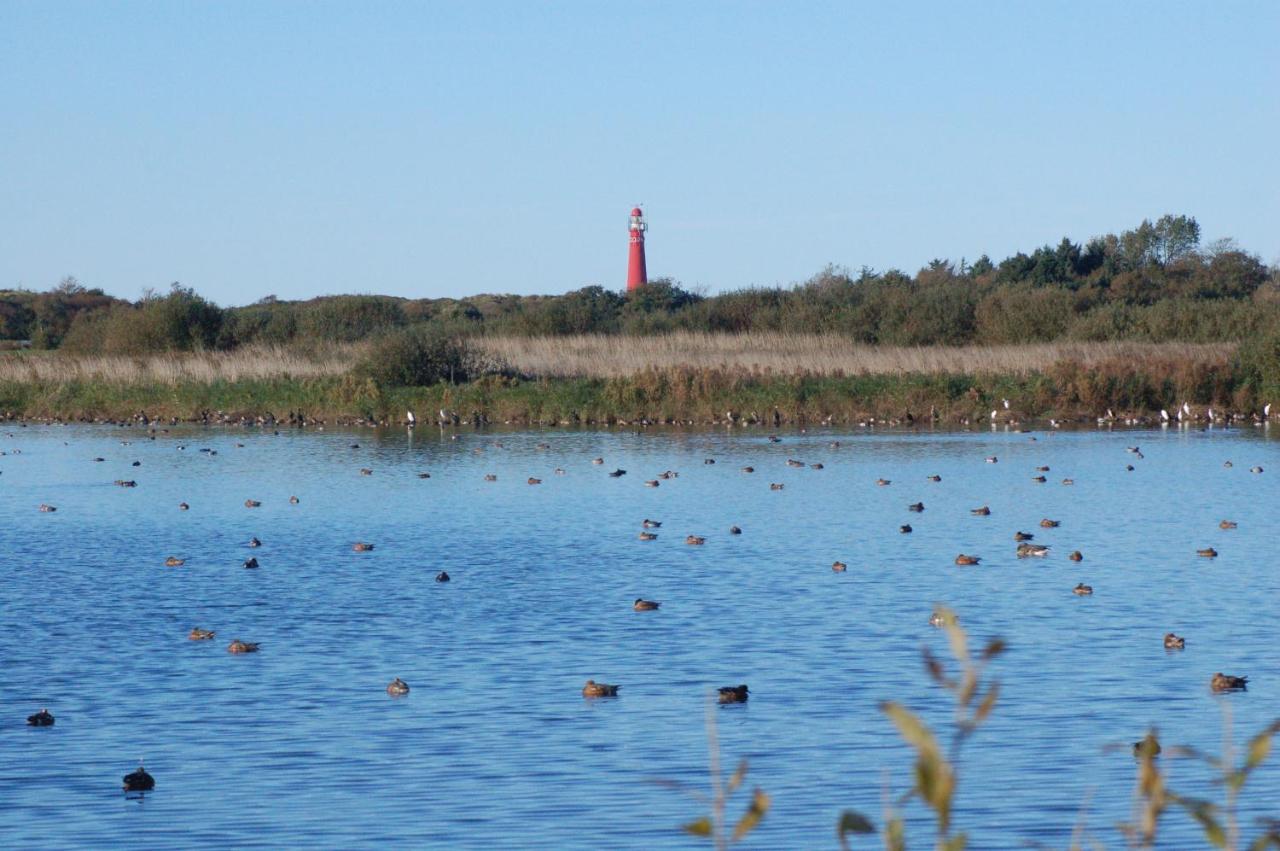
{"points": [[299, 744]]}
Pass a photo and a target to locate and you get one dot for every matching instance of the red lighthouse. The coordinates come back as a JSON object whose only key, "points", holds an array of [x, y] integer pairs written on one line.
{"points": [[637, 276]]}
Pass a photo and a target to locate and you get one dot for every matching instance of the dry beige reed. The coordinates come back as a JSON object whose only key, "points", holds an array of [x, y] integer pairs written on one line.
{"points": [[598, 356], [610, 356], [250, 363]]}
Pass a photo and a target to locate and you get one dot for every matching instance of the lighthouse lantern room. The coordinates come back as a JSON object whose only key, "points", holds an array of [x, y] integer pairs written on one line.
{"points": [[637, 275]]}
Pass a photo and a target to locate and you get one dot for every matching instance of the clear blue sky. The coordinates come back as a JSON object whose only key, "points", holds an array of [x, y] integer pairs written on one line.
{"points": [[424, 149]]}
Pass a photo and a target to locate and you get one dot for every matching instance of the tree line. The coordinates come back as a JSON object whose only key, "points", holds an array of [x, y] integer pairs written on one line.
{"points": [[1156, 282]]}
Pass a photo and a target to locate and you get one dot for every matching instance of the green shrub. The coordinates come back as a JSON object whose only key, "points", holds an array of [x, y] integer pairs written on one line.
{"points": [[1024, 315], [179, 321], [349, 318], [418, 357], [1257, 365]]}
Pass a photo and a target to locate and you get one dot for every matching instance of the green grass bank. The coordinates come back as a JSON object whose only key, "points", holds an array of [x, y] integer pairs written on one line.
{"points": [[1067, 391]]}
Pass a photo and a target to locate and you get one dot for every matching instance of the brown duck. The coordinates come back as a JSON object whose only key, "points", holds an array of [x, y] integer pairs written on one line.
{"points": [[963, 559], [595, 689], [734, 694], [1226, 682], [198, 634], [397, 688], [643, 605], [1083, 590], [1174, 642], [174, 561], [238, 646]]}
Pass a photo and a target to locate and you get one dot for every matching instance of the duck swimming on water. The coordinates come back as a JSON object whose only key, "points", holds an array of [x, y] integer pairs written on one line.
{"points": [[43, 718], [1174, 642], [139, 781], [1226, 682], [238, 646], [595, 689], [397, 688], [643, 605], [734, 694], [198, 634]]}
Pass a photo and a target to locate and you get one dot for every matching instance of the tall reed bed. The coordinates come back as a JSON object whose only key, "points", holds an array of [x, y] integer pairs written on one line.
{"points": [[249, 363], [598, 356]]}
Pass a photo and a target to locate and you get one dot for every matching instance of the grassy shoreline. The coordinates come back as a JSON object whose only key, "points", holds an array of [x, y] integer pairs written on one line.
{"points": [[1067, 391]]}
